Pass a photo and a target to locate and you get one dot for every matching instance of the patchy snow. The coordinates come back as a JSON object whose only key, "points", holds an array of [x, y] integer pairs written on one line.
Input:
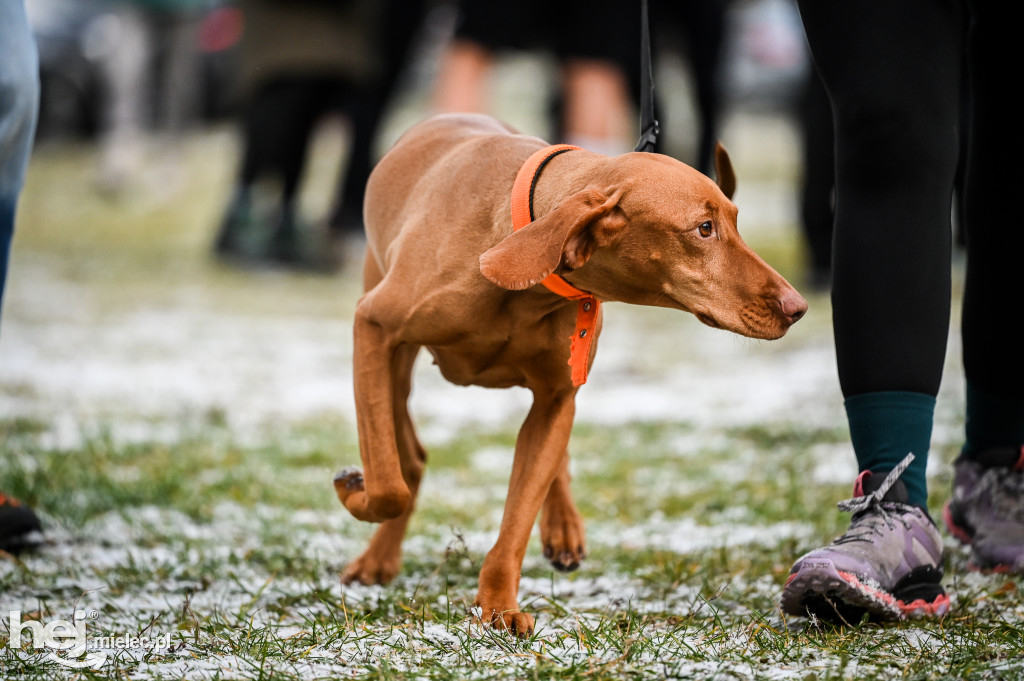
{"points": [[87, 565], [142, 371], [77, 361]]}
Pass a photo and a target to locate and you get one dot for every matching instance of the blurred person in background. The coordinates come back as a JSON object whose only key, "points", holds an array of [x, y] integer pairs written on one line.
{"points": [[393, 44], [597, 47], [19, 108], [299, 61], [696, 30], [597, 44], [895, 75], [149, 52]]}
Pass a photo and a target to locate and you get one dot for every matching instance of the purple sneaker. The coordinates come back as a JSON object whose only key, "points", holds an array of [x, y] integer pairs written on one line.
{"points": [[887, 565], [987, 509]]}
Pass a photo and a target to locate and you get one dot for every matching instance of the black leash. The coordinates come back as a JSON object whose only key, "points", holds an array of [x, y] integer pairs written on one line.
{"points": [[648, 123]]}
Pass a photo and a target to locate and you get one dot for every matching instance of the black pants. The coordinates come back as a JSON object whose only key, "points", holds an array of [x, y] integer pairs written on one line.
{"points": [[279, 123], [895, 73]]}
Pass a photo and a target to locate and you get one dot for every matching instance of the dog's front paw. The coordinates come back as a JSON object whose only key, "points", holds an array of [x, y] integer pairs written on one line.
{"points": [[348, 480], [512, 620], [390, 501], [351, 491]]}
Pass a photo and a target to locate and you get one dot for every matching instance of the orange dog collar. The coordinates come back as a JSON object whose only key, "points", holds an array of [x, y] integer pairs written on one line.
{"points": [[588, 306]]}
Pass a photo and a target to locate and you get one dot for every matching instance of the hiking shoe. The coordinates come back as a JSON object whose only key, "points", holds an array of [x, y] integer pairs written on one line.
{"points": [[888, 565], [987, 509], [18, 524]]}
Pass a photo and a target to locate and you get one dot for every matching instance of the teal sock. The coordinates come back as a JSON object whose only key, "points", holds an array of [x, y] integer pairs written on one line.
{"points": [[992, 422], [885, 427]]}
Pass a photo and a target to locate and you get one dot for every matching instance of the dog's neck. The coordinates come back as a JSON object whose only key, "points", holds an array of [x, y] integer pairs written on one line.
{"points": [[588, 307]]}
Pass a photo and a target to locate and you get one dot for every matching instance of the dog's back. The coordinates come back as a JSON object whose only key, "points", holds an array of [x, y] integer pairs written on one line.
{"points": [[433, 189]]}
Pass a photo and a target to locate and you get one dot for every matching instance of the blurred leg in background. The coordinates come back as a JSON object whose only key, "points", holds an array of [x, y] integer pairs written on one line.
{"points": [[591, 42], [987, 506], [150, 67], [19, 108], [299, 61], [598, 53], [392, 44], [279, 122], [695, 29]]}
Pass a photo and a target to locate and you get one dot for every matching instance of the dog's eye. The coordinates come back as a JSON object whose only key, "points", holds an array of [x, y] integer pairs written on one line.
{"points": [[706, 229]]}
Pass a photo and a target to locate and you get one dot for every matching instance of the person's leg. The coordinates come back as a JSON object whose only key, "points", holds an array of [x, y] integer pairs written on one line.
{"points": [[395, 40], [259, 131], [993, 353], [179, 85], [598, 50], [277, 124], [125, 67], [309, 100], [988, 492], [19, 107], [818, 183], [704, 24], [597, 107], [463, 76], [893, 74]]}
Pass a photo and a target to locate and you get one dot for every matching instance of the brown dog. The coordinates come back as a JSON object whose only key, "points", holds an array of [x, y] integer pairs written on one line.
{"points": [[445, 270]]}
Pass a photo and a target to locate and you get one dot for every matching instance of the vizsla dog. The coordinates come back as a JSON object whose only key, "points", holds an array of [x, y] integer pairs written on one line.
{"points": [[494, 251]]}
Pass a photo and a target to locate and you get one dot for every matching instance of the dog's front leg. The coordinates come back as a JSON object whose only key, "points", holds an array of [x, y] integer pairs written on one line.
{"points": [[540, 450], [381, 560], [380, 492]]}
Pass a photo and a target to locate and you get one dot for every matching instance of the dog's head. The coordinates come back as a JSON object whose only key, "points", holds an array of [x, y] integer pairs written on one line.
{"points": [[651, 230]]}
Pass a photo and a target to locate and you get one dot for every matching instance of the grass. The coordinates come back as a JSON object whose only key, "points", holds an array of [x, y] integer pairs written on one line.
{"points": [[203, 516], [240, 571]]}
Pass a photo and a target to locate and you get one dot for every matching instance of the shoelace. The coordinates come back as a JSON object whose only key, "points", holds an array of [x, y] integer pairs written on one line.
{"points": [[863, 527], [866, 524], [858, 504]]}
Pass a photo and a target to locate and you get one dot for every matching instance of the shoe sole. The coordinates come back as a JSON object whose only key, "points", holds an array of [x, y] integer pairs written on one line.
{"points": [[819, 589]]}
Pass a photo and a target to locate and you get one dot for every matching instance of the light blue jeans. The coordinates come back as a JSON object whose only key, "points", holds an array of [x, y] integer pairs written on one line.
{"points": [[19, 108]]}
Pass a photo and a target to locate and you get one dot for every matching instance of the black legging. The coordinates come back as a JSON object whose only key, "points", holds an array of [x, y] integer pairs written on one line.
{"points": [[279, 123], [894, 74]]}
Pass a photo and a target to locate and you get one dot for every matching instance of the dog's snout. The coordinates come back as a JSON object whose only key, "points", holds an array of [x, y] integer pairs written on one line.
{"points": [[792, 305]]}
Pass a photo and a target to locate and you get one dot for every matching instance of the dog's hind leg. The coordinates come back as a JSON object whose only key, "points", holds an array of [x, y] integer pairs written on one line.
{"points": [[381, 560], [561, 525]]}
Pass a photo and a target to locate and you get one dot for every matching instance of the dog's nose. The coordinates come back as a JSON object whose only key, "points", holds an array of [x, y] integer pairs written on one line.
{"points": [[792, 305]]}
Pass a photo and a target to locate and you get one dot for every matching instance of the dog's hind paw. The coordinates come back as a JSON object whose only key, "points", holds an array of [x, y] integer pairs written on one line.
{"points": [[562, 536], [372, 569], [565, 561]]}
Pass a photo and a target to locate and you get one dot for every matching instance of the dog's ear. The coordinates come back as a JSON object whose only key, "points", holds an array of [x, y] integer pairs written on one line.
{"points": [[724, 172], [561, 240]]}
